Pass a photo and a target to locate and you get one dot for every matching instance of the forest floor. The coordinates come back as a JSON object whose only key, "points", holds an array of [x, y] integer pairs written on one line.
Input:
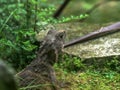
{"points": [[91, 80], [92, 77], [108, 78]]}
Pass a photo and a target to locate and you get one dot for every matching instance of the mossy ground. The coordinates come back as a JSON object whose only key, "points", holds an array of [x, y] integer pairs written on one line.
{"points": [[85, 76], [82, 77], [88, 79], [92, 80]]}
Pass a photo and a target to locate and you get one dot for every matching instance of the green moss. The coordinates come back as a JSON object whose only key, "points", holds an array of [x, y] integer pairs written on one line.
{"points": [[85, 76]]}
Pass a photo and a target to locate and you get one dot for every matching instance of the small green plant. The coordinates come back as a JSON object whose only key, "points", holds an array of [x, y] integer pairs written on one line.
{"points": [[19, 48], [113, 64], [73, 18], [70, 63], [18, 29]]}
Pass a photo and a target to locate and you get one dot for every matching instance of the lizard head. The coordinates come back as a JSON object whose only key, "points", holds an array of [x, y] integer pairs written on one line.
{"points": [[52, 44], [55, 39]]}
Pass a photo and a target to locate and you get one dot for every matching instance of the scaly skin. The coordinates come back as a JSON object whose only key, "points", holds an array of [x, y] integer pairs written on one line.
{"points": [[40, 71]]}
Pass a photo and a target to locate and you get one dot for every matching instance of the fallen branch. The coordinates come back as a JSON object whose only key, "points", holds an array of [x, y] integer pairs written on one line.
{"points": [[99, 33]]}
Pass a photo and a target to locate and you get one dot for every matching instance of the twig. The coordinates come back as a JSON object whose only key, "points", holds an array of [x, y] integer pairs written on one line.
{"points": [[59, 11]]}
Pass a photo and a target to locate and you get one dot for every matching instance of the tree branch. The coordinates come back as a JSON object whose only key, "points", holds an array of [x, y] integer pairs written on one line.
{"points": [[99, 33], [59, 11]]}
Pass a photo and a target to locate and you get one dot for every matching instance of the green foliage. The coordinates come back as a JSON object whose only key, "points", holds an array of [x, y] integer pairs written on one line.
{"points": [[113, 64], [72, 18], [18, 48], [90, 80], [45, 18], [20, 20], [92, 77], [73, 64], [17, 39], [70, 63]]}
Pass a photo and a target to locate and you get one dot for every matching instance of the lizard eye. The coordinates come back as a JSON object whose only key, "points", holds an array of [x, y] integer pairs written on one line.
{"points": [[61, 36]]}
